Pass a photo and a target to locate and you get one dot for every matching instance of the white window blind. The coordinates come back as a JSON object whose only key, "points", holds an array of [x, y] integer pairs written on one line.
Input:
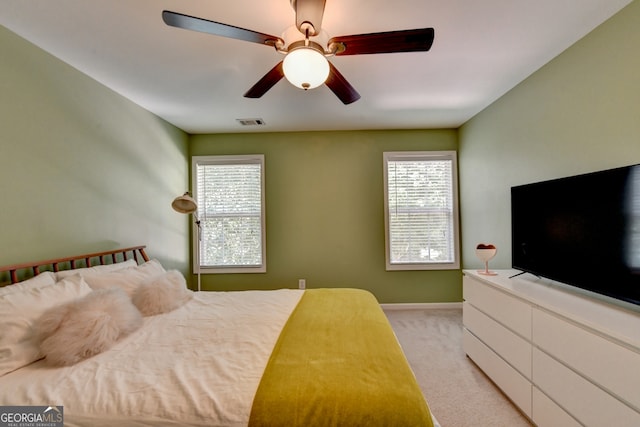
{"points": [[229, 193], [421, 216]]}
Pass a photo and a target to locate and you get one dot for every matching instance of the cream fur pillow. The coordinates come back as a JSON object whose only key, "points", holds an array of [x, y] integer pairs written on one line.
{"points": [[81, 329], [162, 294], [19, 313]]}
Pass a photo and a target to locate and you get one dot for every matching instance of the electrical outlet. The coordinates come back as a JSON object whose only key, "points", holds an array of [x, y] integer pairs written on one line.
{"points": [[302, 284]]}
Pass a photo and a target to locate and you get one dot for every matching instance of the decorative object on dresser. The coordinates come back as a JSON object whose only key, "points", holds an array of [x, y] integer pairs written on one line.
{"points": [[186, 205], [564, 358], [486, 252]]}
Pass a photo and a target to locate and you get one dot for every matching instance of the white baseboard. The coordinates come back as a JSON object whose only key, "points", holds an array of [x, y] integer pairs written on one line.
{"points": [[422, 306]]}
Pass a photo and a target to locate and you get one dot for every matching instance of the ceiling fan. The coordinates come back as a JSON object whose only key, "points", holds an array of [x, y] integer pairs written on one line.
{"points": [[305, 64]]}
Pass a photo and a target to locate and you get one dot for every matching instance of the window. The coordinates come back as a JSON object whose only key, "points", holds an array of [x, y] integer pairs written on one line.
{"points": [[229, 191], [421, 210]]}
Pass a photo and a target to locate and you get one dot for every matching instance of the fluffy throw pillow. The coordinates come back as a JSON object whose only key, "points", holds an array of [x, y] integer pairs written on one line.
{"points": [[162, 294], [19, 311], [127, 279], [81, 329]]}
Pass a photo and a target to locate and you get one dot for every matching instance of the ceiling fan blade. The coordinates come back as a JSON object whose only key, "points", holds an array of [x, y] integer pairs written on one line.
{"points": [[193, 23], [267, 82], [310, 11], [417, 40], [340, 86]]}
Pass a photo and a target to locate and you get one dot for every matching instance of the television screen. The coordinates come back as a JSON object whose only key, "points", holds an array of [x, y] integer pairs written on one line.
{"points": [[583, 231]]}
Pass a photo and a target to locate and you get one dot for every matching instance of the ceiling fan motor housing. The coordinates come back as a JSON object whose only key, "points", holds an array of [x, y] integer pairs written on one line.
{"points": [[308, 15]]}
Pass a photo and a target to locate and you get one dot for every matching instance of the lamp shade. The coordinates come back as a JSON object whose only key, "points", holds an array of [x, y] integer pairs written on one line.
{"points": [[305, 67], [184, 204]]}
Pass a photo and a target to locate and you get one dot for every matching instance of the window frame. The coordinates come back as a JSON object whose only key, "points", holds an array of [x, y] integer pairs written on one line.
{"points": [[229, 160], [423, 156]]}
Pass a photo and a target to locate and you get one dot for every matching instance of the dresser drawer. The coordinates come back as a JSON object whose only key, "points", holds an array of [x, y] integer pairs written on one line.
{"points": [[547, 414], [606, 363], [584, 401], [511, 347], [508, 310], [514, 385]]}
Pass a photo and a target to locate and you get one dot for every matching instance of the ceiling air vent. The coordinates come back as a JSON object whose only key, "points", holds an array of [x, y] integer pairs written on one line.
{"points": [[251, 122]]}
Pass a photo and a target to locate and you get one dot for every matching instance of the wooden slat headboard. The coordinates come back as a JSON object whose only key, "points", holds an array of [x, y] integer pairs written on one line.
{"points": [[86, 260]]}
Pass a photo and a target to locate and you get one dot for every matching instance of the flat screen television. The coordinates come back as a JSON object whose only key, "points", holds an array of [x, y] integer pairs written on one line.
{"points": [[582, 231]]}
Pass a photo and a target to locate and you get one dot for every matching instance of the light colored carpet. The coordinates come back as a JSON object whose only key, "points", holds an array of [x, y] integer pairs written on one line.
{"points": [[458, 392]]}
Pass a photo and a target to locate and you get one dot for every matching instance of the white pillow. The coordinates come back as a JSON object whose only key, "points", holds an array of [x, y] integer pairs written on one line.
{"points": [[45, 278], [96, 269], [19, 345], [83, 328], [162, 294], [127, 279]]}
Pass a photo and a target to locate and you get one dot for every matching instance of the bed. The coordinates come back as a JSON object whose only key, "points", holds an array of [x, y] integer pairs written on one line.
{"points": [[288, 357]]}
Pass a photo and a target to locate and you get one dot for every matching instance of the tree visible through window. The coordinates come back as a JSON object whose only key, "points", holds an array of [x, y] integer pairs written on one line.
{"points": [[229, 191], [421, 210]]}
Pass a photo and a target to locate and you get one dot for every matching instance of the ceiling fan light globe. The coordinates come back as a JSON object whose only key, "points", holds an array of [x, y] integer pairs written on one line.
{"points": [[305, 68]]}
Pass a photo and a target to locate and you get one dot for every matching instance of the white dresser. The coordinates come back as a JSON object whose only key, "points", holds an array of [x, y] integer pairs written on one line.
{"points": [[563, 358]]}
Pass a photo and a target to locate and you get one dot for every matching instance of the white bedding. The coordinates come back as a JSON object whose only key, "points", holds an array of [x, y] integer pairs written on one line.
{"points": [[217, 344]]}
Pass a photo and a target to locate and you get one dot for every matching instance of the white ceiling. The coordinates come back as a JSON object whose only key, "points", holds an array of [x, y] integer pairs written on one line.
{"points": [[196, 81]]}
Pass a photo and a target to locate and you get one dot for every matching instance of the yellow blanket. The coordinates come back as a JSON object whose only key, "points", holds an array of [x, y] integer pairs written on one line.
{"points": [[337, 363]]}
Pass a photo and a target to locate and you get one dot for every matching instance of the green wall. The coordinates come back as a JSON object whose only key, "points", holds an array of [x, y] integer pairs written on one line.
{"points": [[324, 212], [82, 168], [579, 113]]}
